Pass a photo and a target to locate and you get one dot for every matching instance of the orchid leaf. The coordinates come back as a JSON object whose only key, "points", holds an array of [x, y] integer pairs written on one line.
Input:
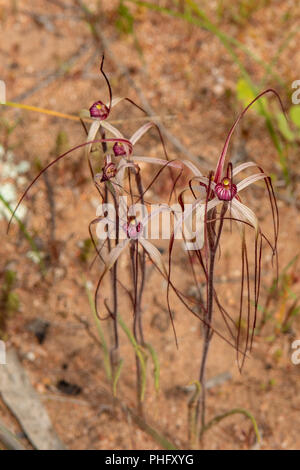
{"points": [[139, 353], [295, 114], [284, 127], [156, 365], [117, 376], [220, 417]]}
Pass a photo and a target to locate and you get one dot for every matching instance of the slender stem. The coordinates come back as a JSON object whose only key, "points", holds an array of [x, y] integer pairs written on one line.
{"points": [[138, 276], [213, 243], [142, 267], [207, 336], [114, 351], [135, 327]]}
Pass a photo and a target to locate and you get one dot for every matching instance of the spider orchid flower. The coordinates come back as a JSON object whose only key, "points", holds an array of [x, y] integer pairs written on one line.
{"points": [[129, 159], [133, 232], [100, 110], [123, 155], [115, 172], [223, 189], [108, 171]]}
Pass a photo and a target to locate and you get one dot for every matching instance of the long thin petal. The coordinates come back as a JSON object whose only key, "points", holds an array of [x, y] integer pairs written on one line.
{"points": [[200, 205], [115, 101], [121, 171], [221, 161], [112, 129], [245, 213], [110, 261], [114, 255], [140, 132], [250, 180], [154, 254], [156, 161], [95, 126], [205, 180], [242, 167], [192, 167]]}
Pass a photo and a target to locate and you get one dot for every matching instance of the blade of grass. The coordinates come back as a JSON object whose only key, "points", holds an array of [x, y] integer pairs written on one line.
{"points": [[117, 376], [193, 425], [220, 417], [138, 352], [156, 371]]}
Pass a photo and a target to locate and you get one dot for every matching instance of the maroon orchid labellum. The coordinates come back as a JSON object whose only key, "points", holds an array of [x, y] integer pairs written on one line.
{"points": [[119, 149], [99, 110], [133, 229], [226, 190]]}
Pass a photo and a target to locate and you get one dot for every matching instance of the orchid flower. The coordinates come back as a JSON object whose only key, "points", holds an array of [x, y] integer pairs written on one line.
{"points": [[132, 233], [121, 150], [223, 188]]}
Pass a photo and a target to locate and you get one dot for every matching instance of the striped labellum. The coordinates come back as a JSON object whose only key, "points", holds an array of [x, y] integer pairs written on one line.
{"points": [[226, 190]]}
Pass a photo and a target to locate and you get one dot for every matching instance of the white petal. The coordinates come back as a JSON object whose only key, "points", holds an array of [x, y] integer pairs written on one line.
{"points": [[242, 167], [140, 132], [112, 129], [114, 255], [115, 101], [192, 167], [154, 254], [249, 180], [245, 213], [199, 204], [95, 126], [157, 161]]}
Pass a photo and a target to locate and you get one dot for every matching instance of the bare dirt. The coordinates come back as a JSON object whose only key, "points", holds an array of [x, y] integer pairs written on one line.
{"points": [[184, 72]]}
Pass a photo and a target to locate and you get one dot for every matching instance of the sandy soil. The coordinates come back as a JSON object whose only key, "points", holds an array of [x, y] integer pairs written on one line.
{"points": [[184, 72]]}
